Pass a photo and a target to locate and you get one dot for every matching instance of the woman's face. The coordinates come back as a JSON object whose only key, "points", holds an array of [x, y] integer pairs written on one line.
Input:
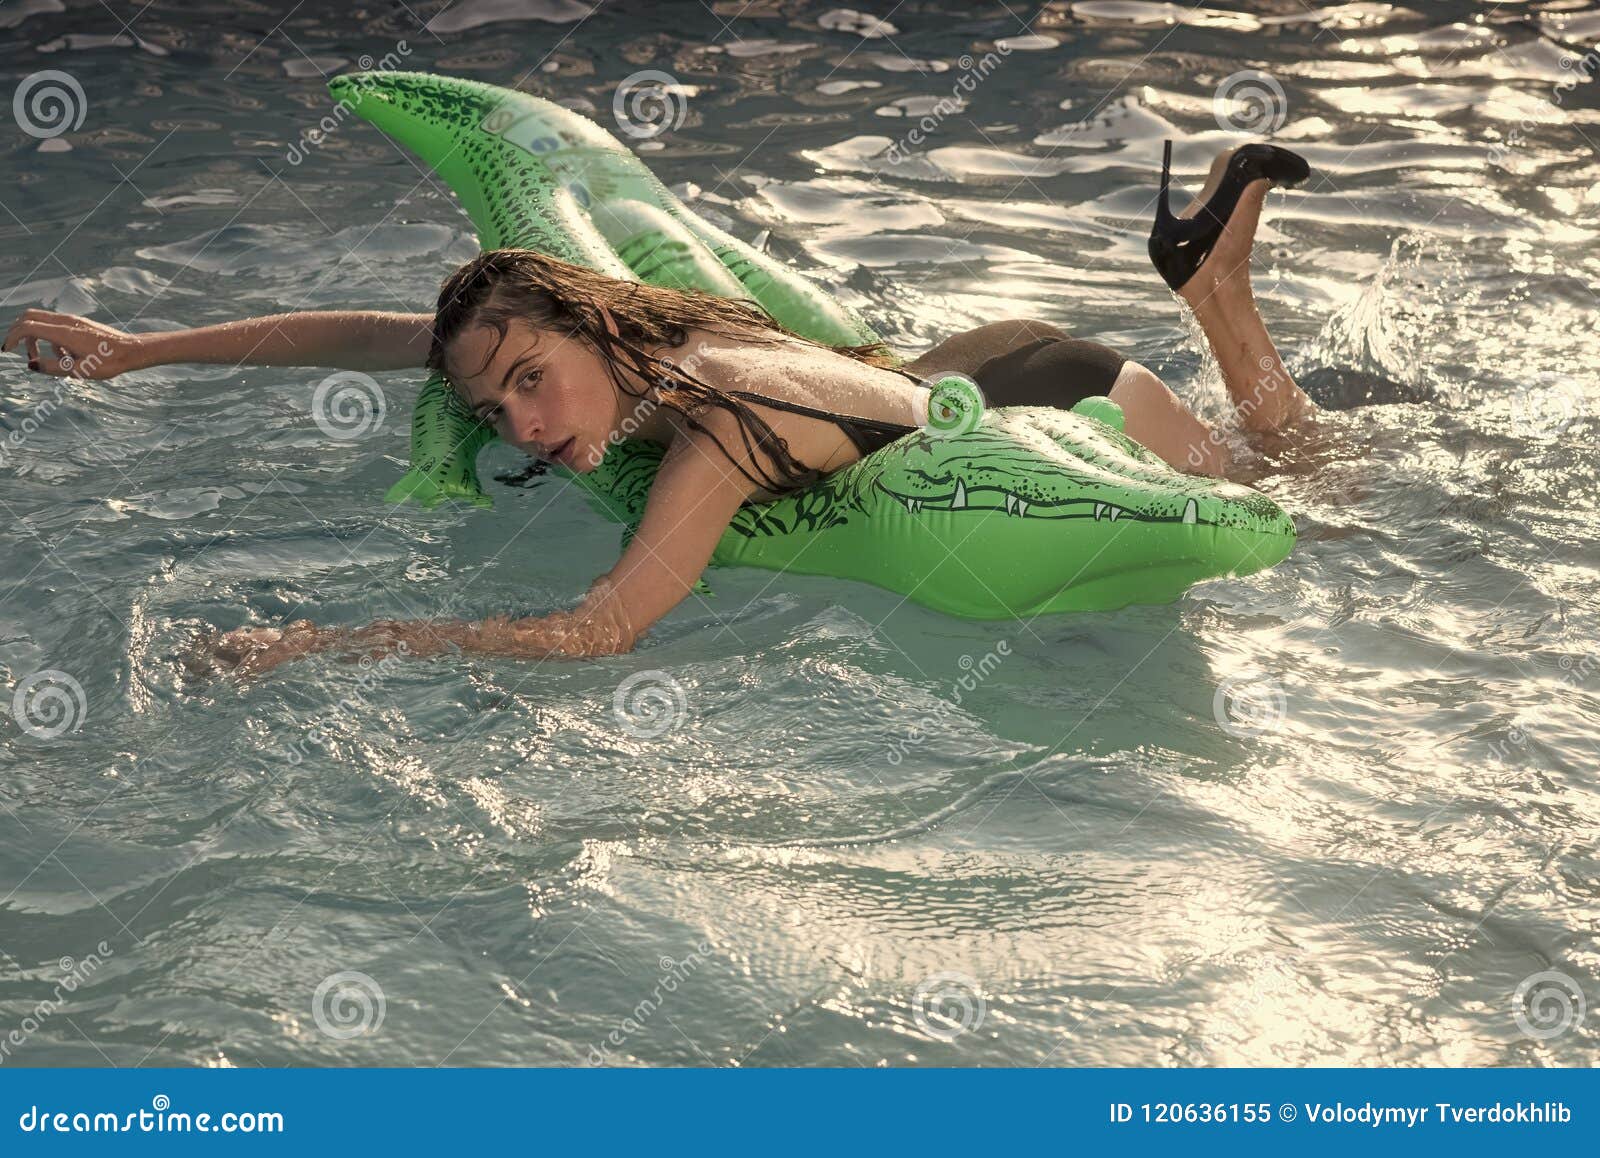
{"points": [[545, 394]]}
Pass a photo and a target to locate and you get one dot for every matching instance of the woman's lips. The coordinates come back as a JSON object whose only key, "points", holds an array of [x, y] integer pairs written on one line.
{"points": [[560, 454]]}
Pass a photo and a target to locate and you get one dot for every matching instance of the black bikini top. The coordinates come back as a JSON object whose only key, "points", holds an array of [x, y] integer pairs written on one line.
{"points": [[868, 434]]}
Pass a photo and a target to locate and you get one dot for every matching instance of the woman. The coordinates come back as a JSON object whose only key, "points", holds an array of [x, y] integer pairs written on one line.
{"points": [[560, 360]]}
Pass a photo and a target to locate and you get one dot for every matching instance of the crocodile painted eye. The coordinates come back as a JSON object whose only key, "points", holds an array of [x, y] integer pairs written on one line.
{"points": [[955, 404]]}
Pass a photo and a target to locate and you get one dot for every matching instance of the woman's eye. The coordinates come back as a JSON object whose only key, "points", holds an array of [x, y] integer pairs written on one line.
{"points": [[530, 378]]}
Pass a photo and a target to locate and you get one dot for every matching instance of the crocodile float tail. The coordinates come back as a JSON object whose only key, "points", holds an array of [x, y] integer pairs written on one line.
{"points": [[459, 127]]}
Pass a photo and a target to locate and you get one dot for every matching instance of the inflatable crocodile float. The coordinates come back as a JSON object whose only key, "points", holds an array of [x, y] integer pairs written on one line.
{"points": [[1036, 510]]}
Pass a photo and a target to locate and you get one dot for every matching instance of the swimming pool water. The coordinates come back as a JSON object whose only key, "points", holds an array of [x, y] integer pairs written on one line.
{"points": [[1343, 812]]}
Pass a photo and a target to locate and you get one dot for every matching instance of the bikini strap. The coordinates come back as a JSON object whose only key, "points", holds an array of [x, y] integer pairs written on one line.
{"points": [[872, 424]]}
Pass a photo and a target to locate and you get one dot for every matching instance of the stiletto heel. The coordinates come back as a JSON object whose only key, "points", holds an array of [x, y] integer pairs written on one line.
{"points": [[1163, 205], [1178, 245]]}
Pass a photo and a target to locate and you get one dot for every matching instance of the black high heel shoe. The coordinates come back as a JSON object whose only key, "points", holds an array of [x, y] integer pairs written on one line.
{"points": [[1179, 244]]}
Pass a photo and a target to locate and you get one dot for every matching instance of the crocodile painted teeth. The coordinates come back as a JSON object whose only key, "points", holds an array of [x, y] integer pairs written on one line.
{"points": [[1116, 513], [1191, 512], [960, 501], [1099, 511], [1022, 507]]}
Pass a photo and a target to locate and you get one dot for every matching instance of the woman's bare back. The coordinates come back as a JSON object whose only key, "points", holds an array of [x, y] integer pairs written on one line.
{"points": [[794, 371]]}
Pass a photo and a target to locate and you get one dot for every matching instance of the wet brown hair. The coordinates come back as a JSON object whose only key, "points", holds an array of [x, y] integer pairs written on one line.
{"points": [[503, 285]]}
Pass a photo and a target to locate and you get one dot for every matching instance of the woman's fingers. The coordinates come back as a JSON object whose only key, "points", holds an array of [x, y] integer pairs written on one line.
{"points": [[245, 651], [28, 334], [69, 344], [62, 363], [233, 647], [250, 651], [18, 328], [26, 328]]}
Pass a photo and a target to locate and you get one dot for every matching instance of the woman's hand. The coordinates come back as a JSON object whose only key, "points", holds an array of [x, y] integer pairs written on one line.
{"points": [[83, 348], [249, 651], [252, 651]]}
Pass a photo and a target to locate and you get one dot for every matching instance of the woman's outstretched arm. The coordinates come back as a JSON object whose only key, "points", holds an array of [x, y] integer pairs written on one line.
{"points": [[340, 339], [696, 492]]}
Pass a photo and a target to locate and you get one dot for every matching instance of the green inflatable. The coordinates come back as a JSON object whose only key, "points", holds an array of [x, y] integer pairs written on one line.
{"points": [[1032, 511]]}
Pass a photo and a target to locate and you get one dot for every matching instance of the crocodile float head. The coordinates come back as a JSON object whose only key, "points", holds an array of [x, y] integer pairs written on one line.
{"points": [[1040, 463]]}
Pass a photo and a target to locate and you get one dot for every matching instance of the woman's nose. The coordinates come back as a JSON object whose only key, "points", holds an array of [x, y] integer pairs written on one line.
{"points": [[520, 421]]}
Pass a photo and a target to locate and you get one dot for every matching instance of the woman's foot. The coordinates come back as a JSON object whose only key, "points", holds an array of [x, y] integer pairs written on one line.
{"points": [[1210, 243], [1205, 256], [1223, 276]]}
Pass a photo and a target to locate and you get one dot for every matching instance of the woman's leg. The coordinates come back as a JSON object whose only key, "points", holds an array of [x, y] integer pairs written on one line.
{"points": [[1265, 397], [1157, 419], [1060, 372]]}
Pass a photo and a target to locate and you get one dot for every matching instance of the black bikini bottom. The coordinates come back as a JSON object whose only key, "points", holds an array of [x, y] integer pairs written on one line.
{"points": [[1049, 372], [1057, 372]]}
